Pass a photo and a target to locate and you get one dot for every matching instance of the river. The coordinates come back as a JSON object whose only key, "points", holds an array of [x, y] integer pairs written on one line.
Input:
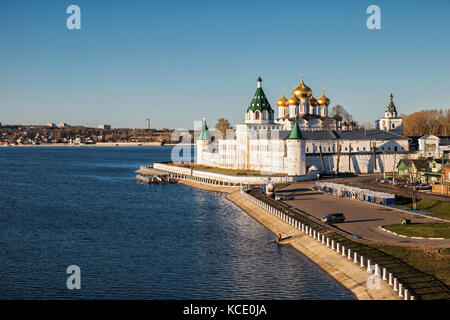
{"points": [[62, 206]]}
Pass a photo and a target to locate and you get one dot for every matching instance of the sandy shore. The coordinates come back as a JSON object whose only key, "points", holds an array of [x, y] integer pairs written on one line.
{"points": [[340, 268], [99, 144]]}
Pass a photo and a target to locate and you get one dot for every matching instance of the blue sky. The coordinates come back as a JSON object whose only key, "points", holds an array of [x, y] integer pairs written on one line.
{"points": [[177, 61]]}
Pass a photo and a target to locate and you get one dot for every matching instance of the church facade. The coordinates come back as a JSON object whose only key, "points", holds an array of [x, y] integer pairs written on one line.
{"points": [[301, 138], [390, 122]]}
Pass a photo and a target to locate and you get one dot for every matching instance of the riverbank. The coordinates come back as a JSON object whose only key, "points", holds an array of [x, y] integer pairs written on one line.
{"points": [[209, 187], [98, 144], [340, 268]]}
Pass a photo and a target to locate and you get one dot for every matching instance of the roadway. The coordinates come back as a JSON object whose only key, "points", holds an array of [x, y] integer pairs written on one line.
{"points": [[362, 218]]}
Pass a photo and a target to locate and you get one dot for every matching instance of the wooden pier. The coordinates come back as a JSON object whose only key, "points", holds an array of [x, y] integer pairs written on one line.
{"points": [[153, 176]]}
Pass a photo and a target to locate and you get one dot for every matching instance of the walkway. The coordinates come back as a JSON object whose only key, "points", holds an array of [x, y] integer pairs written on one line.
{"points": [[339, 267]]}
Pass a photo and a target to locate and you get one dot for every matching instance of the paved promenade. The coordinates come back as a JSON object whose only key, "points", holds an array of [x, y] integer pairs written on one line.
{"points": [[208, 187], [343, 270]]}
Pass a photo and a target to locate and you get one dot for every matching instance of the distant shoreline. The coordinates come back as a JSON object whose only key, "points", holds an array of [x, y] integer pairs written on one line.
{"points": [[101, 144]]}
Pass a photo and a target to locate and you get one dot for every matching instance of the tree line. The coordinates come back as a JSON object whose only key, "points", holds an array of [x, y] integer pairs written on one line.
{"points": [[425, 122]]}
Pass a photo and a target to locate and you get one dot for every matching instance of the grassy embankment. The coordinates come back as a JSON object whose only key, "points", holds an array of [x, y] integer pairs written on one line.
{"points": [[426, 273], [234, 172], [440, 209], [426, 230], [433, 262]]}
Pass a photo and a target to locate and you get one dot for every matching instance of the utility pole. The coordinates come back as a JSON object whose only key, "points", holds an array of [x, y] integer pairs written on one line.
{"points": [[338, 158], [374, 147], [349, 157], [329, 164], [442, 174], [393, 169], [321, 158]]}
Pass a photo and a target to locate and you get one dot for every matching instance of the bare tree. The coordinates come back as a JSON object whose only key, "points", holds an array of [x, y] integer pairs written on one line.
{"points": [[339, 110], [367, 126], [222, 125]]}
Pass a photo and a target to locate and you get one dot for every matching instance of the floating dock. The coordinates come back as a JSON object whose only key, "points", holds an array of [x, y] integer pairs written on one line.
{"points": [[153, 176]]}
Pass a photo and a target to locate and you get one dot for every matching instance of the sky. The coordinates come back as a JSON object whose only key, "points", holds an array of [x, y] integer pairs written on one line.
{"points": [[178, 61]]}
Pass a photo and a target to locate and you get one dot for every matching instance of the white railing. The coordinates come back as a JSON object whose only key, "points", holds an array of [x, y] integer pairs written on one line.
{"points": [[379, 272]]}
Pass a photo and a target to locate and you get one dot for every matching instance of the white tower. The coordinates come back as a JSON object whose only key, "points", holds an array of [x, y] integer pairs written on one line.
{"points": [[295, 152], [259, 111], [390, 121], [202, 143]]}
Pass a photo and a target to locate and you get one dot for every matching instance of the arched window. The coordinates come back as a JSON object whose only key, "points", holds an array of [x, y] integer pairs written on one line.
{"points": [[265, 115], [257, 115]]}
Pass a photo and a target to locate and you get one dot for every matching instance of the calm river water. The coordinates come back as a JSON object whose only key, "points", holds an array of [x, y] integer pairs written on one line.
{"points": [[81, 206]]}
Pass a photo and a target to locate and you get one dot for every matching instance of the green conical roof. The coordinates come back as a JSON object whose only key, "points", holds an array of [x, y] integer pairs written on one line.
{"points": [[204, 135], [295, 132], [259, 101], [391, 105]]}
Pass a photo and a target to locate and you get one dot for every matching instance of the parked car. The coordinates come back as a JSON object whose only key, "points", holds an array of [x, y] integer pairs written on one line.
{"points": [[285, 196], [423, 186], [333, 217]]}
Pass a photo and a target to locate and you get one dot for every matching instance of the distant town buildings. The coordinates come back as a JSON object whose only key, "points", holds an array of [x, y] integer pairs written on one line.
{"points": [[433, 146], [104, 126], [63, 125]]}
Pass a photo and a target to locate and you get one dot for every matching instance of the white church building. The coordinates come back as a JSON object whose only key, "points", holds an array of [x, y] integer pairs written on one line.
{"points": [[390, 122], [302, 138]]}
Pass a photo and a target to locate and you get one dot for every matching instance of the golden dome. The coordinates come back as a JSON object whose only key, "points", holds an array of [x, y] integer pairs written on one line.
{"points": [[313, 101], [302, 91], [293, 101], [323, 101], [282, 102]]}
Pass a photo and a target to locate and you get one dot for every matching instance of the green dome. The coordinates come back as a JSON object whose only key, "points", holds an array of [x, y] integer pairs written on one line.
{"points": [[259, 101], [204, 135], [295, 132], [391, 106]]}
